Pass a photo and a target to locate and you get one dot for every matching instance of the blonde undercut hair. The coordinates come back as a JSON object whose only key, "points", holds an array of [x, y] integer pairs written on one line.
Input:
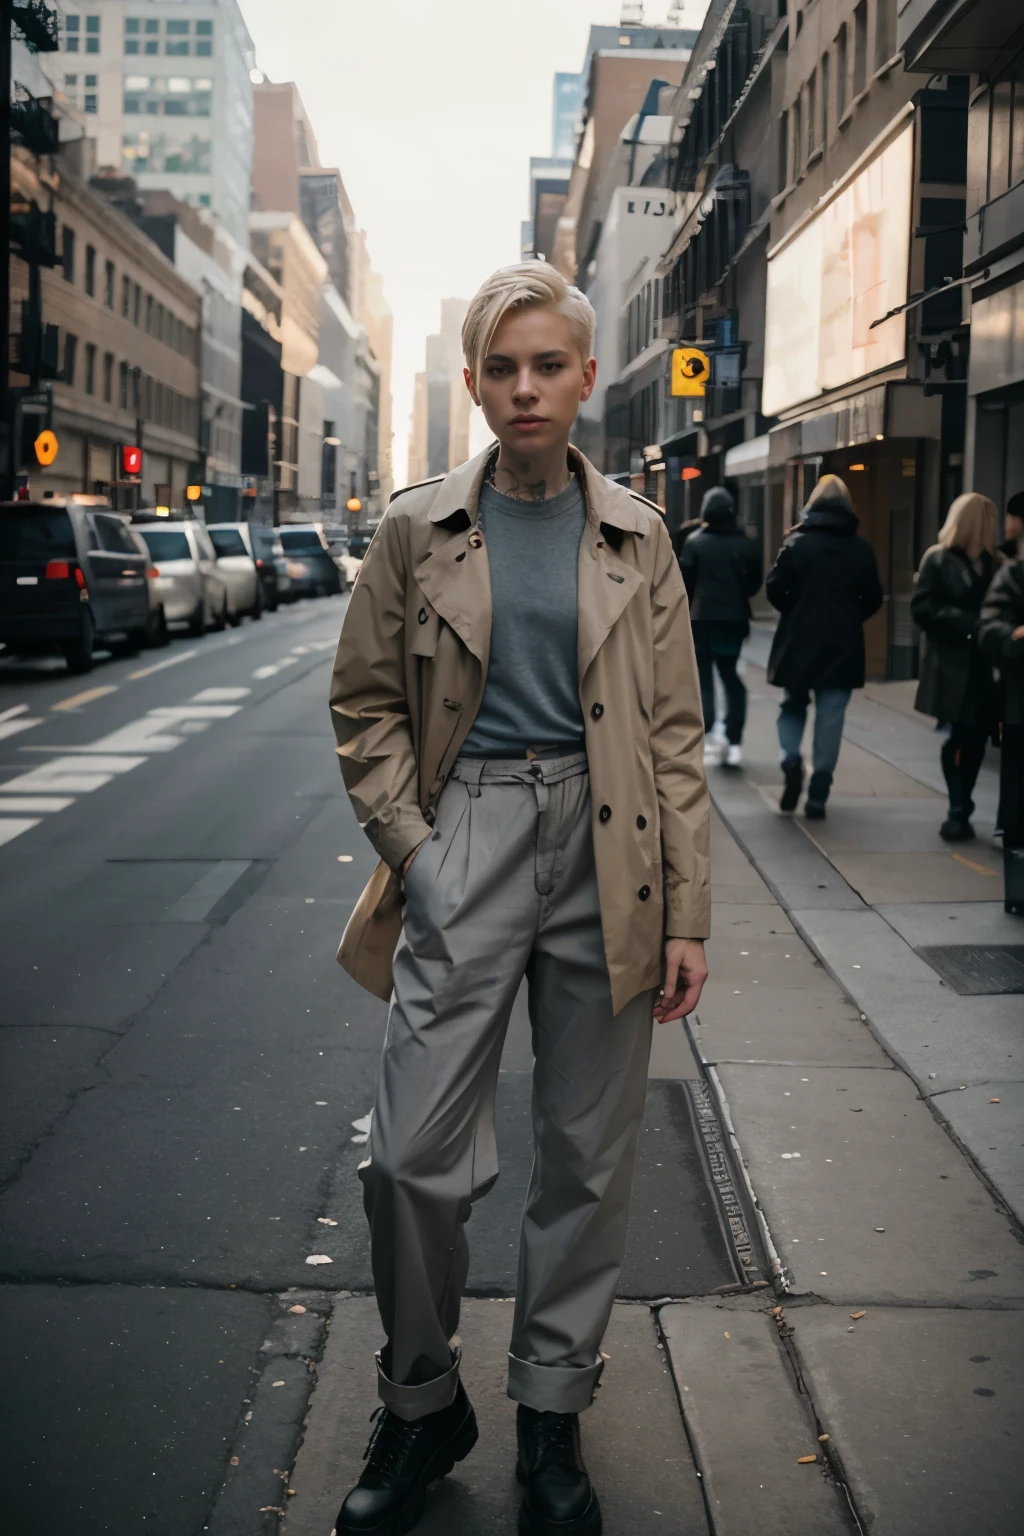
{"points": [[527, 285]]}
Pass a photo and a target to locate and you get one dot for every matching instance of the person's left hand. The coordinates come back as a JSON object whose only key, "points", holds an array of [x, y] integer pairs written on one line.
{"points": [[686, 972]]}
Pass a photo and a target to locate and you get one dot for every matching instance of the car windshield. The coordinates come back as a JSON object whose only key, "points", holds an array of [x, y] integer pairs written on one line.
{"points": [[45, 534], [166, 544], [301, 541], [228, 541]]}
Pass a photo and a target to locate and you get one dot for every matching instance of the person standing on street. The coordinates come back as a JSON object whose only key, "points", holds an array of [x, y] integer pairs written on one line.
{"points": [[1001, 635], [1013, 527], [956, 683], [825, 585], [517, 713], [722, 571]]}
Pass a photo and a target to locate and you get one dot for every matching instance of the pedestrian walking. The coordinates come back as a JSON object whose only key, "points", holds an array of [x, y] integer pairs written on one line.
{"points": [[825, 585], [1001, 636], [518, 722], [956, 683], [722, 571], [1013, 527]]}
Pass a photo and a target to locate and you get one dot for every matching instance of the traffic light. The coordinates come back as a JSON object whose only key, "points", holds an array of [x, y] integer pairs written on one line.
{"points": [[353, 504], [131, 460]]}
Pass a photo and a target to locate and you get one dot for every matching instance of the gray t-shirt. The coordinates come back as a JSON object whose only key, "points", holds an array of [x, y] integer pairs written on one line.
{"points": [[531, 698]]}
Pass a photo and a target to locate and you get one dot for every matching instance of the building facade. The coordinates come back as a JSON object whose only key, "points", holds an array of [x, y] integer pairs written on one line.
{"points": [[126, 345], [164, 86]]}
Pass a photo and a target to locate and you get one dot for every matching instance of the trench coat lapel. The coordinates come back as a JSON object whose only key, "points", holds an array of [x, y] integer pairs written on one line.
{"points": [[454, 576], [606, 583]]}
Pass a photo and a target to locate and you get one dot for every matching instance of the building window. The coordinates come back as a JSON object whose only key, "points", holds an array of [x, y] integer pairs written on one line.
{"points": [[108, 284], [812, 114], [136, 303], [90, 271], [90, 368], [126, 297], [177, 50], [826, 69], [884, 49], [842, 67], [204, 48], [860, 47], [70, 355], [131, 26], [782, 153], [204, 28], [151, 46], [178, 28], [72, 27], [149, 314], [67, 236], [92, 34], [798, 144], [108, 376], [131, 45], [152, 26], [90, 102], [122, 387]]}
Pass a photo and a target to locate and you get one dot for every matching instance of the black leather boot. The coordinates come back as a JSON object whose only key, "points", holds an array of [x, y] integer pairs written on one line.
{"points": [[559, 1499], [793, 774], [402, 1459]]}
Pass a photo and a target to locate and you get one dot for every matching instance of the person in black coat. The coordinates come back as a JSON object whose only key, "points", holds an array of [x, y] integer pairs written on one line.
{"points": [[825, 584], [1001, 636], [722, 570], [956, 683]]}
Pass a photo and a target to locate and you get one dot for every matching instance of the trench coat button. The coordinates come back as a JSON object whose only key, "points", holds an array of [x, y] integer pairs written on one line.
{"points": [[476, 540], [605, 813], [644, 892], [422, 615], [596, 711], [641, 822]]}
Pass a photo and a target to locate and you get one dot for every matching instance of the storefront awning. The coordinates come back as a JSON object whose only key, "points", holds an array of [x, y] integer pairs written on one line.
{"points": [[750, 458]]}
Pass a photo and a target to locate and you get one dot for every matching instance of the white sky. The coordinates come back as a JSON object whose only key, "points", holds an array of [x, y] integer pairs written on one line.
{"points": [[431, 109]]}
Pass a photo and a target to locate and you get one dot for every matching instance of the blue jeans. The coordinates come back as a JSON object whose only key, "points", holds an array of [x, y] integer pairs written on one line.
{"points": [[829, 713]]}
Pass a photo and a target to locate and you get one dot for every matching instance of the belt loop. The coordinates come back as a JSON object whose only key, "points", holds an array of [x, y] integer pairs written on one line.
{"points": [[470, 771]]}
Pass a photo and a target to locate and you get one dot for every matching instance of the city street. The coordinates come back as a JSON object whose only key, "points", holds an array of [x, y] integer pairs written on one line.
{"points": [[185, 1075]]}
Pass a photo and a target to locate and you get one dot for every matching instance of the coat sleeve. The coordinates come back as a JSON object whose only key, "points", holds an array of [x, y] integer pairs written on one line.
{"points": [[1001, 613], [369, 707], [781, 585], [932, 608], [677, 748]]}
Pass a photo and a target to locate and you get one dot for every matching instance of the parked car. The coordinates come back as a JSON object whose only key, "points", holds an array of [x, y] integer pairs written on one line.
{"points": [[157, 632], [313, 571], [71, 578], [272, 565], [236, 562], [191, 588]]}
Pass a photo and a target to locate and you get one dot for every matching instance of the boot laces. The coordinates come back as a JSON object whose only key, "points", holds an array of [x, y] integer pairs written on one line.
{"points": [[555, 1439], [390, 1443]]}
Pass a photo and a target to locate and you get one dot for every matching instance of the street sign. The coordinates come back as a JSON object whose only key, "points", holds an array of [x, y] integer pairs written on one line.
{"points": [[689, 371], [46, 447]]}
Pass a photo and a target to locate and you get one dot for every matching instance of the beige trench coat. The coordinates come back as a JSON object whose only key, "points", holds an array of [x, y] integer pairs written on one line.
{"points": [[409, 678]]}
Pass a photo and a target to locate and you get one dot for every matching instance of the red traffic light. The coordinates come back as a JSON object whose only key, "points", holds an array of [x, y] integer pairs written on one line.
{"points": [[131, 460]]}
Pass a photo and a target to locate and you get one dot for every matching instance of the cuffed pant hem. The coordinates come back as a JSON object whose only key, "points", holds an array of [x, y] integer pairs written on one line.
{"points": [[553, 1388], [411, 1403]]}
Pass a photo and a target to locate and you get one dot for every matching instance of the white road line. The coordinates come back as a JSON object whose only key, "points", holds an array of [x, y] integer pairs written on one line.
{"points": [[219, 695], [34, 803], [274, 667], [204, 895], [145, 735], [15, 709], [10, 827], [195, 712], [72, 775], [159, 666], [15, 727]]}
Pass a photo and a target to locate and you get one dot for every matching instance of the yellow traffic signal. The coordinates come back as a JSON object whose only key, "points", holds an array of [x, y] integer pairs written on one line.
{"points": [[690, 368], [353, 504], [46, 447], [193, 492]]}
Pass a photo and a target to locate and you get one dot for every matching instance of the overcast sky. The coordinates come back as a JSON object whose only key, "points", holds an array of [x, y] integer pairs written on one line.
{"points": [[431, 109]]}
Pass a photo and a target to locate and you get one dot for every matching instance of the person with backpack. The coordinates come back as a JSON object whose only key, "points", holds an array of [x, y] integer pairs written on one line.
{"points": [[825, 585], [722, 570]]}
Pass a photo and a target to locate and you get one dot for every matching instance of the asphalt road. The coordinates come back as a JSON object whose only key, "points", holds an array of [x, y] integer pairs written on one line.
{"points": [[181, 1064]]}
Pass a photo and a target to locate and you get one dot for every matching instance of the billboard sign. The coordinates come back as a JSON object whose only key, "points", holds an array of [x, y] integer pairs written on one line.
{"points": [[845, 268]]}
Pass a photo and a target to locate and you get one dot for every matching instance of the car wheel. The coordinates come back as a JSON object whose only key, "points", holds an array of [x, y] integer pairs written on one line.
{"points": [[135, 641], [257, 607], [219, 622], [158, 634], [78, 653]]}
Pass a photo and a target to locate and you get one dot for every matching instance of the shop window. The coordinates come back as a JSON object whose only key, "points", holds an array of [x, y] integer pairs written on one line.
{"points": [[90, 271]]}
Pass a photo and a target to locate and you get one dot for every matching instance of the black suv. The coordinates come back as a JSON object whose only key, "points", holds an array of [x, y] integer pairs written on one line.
{"points": [[70, 577], [310, 564]]}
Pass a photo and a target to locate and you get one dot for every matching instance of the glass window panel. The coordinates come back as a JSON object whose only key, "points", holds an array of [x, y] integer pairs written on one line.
{"points": [[92, 23], [152, 26], [136, 82], [152, 47], [176, 50], [178, 28], [72, 23], [204, 28], [204, 50], [90, 104], [91, 81], [71, 43], [130, 46], [131, 24], [92, 45]]}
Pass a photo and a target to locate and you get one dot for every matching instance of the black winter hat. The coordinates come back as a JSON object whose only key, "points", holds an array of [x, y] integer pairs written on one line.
{"points": [[717, 503]]}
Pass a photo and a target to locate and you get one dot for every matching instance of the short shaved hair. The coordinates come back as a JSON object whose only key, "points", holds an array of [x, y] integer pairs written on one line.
{"points": [[527, 285]]}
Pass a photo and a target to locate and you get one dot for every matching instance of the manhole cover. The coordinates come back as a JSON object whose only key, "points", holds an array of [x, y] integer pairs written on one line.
{"points": [[977, 969]]}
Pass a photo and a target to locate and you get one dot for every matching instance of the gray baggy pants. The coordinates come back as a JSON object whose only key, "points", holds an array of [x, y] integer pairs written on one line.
{"points": [[504, 888]]}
